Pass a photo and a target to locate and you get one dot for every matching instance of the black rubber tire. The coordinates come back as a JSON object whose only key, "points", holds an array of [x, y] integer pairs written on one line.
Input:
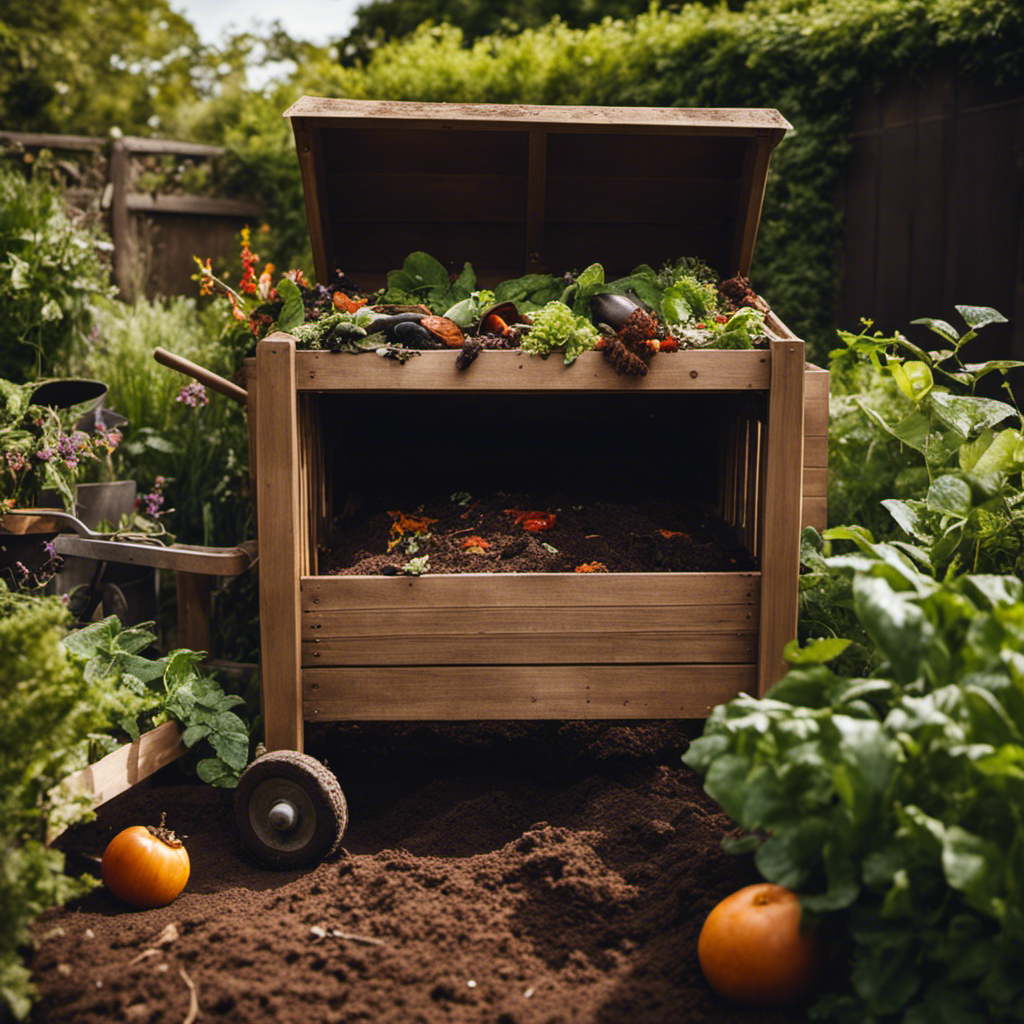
{"points": [[312, 788]]}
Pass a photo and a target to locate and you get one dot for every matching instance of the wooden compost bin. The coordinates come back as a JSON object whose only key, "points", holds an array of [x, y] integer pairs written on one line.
{"points": [[517, 189]]}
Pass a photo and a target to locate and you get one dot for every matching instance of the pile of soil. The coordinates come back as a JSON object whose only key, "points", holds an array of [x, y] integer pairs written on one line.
{"points": [[493, 873], [498, 533]]}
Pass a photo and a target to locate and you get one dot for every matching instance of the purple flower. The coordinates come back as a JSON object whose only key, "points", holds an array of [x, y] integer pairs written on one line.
{"points": [[193, 395], [22, 571], [151, 503], [45, 454], [51, 551]]}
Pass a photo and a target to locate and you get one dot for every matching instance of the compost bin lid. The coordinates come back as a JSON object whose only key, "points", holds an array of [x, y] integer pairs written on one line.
{"points": [[522, 189]]}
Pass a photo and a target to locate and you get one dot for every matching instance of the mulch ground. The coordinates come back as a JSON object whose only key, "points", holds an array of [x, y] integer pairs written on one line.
{"points": [[500, 873]]}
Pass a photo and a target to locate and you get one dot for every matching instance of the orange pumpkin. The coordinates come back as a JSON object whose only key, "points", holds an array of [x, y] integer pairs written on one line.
{"points": [[145, 865], [752, 950]]}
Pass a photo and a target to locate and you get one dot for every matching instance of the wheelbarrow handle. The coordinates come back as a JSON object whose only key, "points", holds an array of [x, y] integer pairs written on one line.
{"points": [[212, 380]]}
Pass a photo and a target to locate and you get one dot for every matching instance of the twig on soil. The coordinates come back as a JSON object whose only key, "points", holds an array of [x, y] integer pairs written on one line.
{"points": [[143, 955], [353, 937], [193, 998]]}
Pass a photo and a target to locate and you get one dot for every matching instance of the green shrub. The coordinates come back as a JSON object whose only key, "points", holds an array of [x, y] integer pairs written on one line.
{"points": [[50, 271]]}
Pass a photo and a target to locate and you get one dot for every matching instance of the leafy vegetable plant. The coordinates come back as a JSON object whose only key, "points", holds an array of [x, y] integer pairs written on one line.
{"points": [[556, 327], [894, 801]]}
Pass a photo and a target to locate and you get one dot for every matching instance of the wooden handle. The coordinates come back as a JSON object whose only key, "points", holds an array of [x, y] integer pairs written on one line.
{"points": [[212, 380]]}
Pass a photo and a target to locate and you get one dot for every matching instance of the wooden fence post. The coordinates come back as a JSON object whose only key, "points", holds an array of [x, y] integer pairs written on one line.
{"points": [[119, 220]]}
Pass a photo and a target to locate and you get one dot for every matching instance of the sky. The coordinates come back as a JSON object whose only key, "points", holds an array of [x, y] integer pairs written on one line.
{"points": [[315, 21]]}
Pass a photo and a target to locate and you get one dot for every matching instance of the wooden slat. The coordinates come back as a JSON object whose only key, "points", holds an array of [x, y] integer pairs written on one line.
{"points": [[278, 516], [815, 482], [539, 590], [421, 620], [621, 646], [751, 525], [174, 557], [815, 513], [780, 538], [123, 768], [521, 692], [751, 194], [816, 416], [815, 451], [518, 372], [536, 201], [207, 206], [503, 117]]}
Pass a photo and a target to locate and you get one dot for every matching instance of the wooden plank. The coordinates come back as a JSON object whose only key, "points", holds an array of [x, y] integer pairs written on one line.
{"points": [[277, 509], [780, 538], [311, 168], [518, 372], [623, 646], [755, 452], [751, 194], [815, 451], [123, 243], [516, 117], [175, 557], [54, 141], [536, 202], [193, 596], [815, 513], [816, 416], [355, 621], [172, 147], [538, 590], [206, 206], [125, 767], [521, 692]]}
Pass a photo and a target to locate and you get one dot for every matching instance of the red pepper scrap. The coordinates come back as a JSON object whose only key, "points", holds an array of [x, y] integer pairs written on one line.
{"points": [[475, 545], [670, 344], [534, 522], [591, 567]]}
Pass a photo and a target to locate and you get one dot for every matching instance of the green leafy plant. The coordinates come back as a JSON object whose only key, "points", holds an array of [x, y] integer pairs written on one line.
{"points": [[50, 272], [168, 687], [556, 327], [424, 280], [892, 802], [971, 448]]}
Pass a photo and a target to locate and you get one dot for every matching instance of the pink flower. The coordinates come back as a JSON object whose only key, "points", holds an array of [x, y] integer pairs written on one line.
{"points": [[193, 395]]}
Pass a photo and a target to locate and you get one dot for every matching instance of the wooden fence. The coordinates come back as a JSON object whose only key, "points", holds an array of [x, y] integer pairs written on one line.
{"points": [[155, 235], [934, 212]]}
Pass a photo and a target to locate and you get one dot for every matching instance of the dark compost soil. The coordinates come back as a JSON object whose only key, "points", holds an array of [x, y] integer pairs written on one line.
{"points": [[498, 873], [492, 534]]}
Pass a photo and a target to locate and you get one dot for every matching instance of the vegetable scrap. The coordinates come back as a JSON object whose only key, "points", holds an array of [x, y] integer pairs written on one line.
{"points": [[475, 545], [591, 567], [534, 522], [405, 526], [426, 305]]}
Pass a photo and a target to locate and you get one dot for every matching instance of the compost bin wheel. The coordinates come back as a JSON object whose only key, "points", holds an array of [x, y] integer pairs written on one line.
{"points": [[290, 810]]}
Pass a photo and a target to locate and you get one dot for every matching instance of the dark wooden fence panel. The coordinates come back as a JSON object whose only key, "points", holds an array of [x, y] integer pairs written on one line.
{"points": [[155, 235], [934, 211]]}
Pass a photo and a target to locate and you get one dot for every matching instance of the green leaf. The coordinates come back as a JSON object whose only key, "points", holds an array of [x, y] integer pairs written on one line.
{"points": [[215, 772], [130, 726], [968, 415], [974, 866], [980, 316], [940, 327], [463, 286], [230, 739], [194, 733], [814, 652], [292, 312], [913, 378], [949, 494], [897, 626], [993, 591], [906, 514]]}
